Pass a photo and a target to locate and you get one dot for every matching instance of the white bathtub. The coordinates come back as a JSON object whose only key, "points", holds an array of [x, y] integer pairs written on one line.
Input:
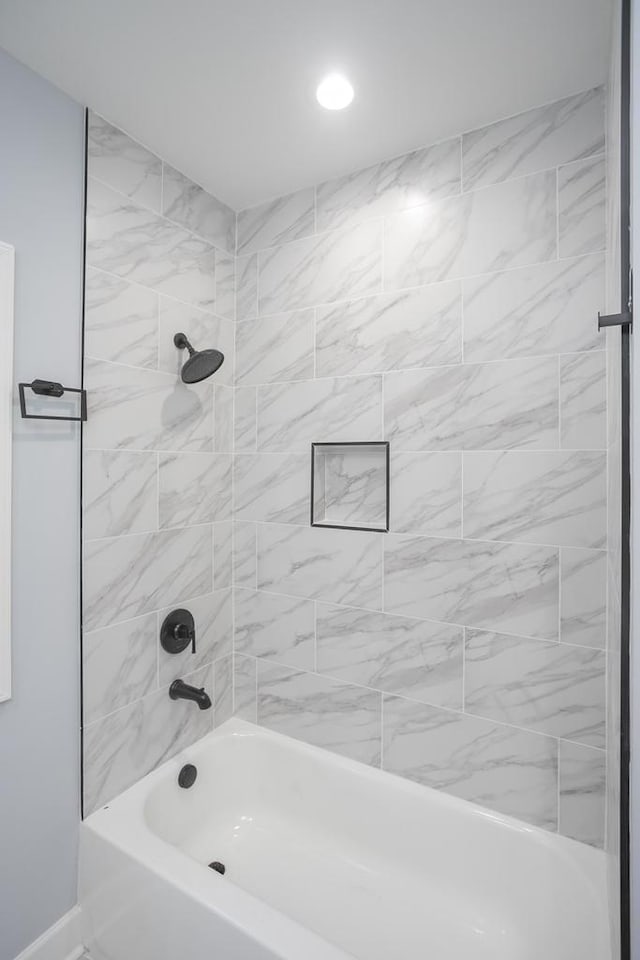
{"points": [[325, 859]]}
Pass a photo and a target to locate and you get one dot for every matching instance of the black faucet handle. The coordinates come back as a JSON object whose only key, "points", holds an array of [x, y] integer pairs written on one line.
{"points": [[178, 631]]}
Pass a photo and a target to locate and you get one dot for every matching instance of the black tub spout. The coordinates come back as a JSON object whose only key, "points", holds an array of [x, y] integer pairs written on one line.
{"points": [[179, 690]]}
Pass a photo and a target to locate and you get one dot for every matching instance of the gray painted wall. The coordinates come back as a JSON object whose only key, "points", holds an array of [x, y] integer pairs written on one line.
{"points": [[41, 190]]}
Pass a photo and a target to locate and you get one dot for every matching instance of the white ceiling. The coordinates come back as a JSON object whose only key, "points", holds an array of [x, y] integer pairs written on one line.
{"points": [[225, 90]]}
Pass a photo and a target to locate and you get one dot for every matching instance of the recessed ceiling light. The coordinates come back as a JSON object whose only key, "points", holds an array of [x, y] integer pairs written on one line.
{"points": [[335, 92]]}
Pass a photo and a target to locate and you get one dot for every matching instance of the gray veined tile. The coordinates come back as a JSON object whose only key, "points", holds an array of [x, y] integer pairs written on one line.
{"points": [[222, 555], [223, 419], [555, 497], [123, 164], [194, 488], [426, 493], [226, 285], [414, 328], [120, 493], [119, 665], [581, 215], [502, 586], [321, 269], [126, 745], [244, 554], [508, 770], [398, 184], [272, 487], [138, 409], [126, 577], [341, 566], [247, 287], [583, 401], [582, 793], [245, 684], [244, 419], [415, 658], [204, 330], [213, 617], [538, 139], [198, 211], [279, 347], [473, 406], [549, 687], [546, 308], [275, 628], [277, 221], [292, 416], [136, 244], [321, 711], [223, 688], [121, 320], [583, 597], [510, 224]]}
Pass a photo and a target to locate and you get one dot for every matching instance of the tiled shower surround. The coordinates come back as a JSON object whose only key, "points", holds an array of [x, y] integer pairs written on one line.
{"points": [[444, 301]]}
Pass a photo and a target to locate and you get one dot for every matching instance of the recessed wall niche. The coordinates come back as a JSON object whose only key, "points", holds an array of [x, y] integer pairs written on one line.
{"points": [[350, 485]]}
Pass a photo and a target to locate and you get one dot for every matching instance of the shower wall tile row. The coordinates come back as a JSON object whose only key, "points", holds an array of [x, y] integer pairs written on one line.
{"points": [[157, 492], [445, 301]]}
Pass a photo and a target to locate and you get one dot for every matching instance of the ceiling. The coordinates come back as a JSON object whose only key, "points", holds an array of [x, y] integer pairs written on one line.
{"points": [[225, 90]]}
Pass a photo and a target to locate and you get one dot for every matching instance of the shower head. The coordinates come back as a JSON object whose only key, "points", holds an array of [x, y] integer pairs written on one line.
{"points": [[200, 364]]}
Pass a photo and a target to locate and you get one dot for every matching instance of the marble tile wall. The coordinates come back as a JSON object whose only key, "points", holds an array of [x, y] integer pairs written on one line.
{"points": [[444, 301], [157, 459]]}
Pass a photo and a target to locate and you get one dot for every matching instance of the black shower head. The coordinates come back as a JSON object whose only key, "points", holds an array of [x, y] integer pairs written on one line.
{"points": [[201, 363]]}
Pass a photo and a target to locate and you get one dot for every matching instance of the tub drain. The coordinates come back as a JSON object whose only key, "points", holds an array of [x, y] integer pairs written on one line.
{"points": [[217, 866]]}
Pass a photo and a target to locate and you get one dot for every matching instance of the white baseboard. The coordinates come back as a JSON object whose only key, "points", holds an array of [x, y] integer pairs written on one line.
{"points": [[62, 941]]}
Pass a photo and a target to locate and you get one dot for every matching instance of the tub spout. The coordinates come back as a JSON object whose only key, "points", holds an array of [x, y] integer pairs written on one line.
{"points": [[179, 690]]}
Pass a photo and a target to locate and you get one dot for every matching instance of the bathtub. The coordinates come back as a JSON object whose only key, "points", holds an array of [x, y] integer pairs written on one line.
{"points": [[326, 859]]}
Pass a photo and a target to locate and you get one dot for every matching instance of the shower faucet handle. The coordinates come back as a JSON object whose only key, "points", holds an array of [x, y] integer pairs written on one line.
{"points": [[178, 630]]}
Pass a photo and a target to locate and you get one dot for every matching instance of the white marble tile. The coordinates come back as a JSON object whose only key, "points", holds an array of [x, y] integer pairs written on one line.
{"points": [[120, 493], [137, 244], [226, 285], [272, 487], [194, 488], [583, 401], [508, 770], [204, 331], [223, 686], [123, 164], [277, 221], [247, 287], [292, 416], [222, 555], [553, 688], [556, 497], [192, 207], [275, 348], [426, 493], [321, 269], [244, 419], [223, 419], [500, 586], [121, 320], [321, 711], [473, 406], [245, 685], [415, 658], [125, 577], [508, 225], [119, 665], [341, 566], [275, 628], [538, 139], [350, 485], [213, 616], [126, 745], [581, 214], [140, 409], [547, 308], [398, 184], [583, 597], [582, 793], [245, 553], [415, 328]]}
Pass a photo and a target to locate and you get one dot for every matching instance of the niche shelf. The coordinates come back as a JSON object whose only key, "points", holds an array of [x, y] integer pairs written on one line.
{"points": [[350, 485]]}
